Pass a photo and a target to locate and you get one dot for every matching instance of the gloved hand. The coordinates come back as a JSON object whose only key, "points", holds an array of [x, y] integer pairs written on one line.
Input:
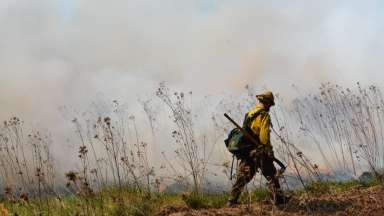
{"points": [[265, 150], [268, 150], [254, 153]]}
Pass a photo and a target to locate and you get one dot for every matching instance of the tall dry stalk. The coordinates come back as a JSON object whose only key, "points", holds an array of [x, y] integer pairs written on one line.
{"points": [[190, 154], [27, 167], [346, 125], [118, 153]]}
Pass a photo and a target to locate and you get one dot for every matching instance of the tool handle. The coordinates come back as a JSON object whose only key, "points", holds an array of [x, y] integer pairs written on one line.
{"points": [[250, 137], [246, 134]]}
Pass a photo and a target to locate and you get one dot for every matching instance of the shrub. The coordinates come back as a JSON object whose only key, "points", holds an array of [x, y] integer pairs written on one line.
{"points": [[199, 201]]}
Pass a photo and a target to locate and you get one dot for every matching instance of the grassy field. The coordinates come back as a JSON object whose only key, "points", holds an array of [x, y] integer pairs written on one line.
{"points": [[128, 201]]}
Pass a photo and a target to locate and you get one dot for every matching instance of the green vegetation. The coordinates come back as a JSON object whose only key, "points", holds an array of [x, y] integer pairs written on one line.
{"points": [[258, 195], [124, 201], [110, 201], [137, 202], [199, 201], [322, 187]]}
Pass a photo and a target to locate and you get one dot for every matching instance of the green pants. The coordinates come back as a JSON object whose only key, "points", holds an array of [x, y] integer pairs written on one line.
{"points": [[247, 170]]}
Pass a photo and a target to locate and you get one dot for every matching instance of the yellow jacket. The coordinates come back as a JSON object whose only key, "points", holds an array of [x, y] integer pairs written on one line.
{"points": [[261, 125]]}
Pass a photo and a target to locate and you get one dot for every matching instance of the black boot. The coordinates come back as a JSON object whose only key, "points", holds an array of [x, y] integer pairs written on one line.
{"points": [[232, 203], [280, 199]]}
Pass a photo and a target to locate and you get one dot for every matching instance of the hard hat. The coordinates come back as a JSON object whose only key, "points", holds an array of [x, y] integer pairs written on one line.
{"points": [[266, 97]]}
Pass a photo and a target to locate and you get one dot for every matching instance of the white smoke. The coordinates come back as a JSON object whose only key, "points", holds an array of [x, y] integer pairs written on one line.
{"points": [[60, 52]]}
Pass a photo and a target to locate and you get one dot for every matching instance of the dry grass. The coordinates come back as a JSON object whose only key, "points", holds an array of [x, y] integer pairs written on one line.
{"points": [[115, 174]]}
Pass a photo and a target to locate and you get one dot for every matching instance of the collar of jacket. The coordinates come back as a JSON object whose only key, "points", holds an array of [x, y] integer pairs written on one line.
{"points": [[260, 106]]}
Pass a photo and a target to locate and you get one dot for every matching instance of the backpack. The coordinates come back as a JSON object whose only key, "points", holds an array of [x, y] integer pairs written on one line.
{"points": [[237, 143]]}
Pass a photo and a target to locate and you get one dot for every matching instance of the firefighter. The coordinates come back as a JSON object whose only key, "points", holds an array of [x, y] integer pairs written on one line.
{"points": [[258, 123]]}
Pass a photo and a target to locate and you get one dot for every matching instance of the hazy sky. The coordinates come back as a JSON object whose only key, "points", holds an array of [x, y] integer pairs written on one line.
{"points": [[66, 52]]}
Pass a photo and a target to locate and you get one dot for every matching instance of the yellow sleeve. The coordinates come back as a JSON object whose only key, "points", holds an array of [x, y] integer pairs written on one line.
{"points": [[265, 123]]}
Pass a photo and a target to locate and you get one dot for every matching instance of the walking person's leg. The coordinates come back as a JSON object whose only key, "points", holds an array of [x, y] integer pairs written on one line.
{"points": [[269, 171], [247, 170]]}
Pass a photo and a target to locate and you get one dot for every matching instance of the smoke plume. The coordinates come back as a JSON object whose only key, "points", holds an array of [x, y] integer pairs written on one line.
{"points": [[67, 52]]}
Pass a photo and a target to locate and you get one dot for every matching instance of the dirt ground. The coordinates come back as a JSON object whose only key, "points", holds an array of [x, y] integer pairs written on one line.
{"points": [[357, 201]]}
